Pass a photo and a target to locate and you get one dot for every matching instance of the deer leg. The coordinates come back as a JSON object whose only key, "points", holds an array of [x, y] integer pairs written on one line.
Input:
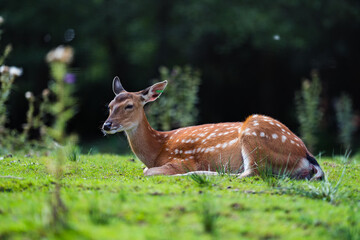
{"points": [[171, 168], [248, 164]]}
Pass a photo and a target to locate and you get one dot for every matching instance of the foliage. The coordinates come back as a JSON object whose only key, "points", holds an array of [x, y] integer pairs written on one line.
{"points": [[345, 120], [57, 216], [201, 179], [63, 108], [209, 215], [107, 197], [245, 50], [177, 106], [308, 111]]}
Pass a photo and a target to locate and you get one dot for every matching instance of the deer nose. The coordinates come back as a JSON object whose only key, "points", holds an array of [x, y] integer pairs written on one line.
{"points": [[107, 126]]}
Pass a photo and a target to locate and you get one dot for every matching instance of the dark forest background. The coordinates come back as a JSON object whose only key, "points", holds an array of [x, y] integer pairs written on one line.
{"points": [[252, 55]]}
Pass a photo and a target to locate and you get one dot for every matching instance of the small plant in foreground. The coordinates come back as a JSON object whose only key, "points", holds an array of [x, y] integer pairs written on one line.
{"points": [[266, 173], [99, 216], [308, 110], [201, 179], [73, 153], [58, 216], [224, 169], [209, 216], [350, 228]]}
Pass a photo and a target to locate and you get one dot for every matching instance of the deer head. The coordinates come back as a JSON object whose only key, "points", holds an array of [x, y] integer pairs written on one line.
{"points": [[126, 110]]}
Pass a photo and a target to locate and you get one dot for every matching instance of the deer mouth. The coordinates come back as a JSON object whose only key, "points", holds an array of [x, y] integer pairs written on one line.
{"points": [[113, 130]]}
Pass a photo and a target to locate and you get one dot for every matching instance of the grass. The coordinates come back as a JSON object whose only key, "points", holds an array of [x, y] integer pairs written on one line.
{"points": [[107, 197]]}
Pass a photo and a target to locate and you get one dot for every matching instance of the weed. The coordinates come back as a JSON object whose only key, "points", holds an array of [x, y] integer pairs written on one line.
{"points": [[73, 154], [267, 174], [209, 216], [97, 216], [344, 117], [201, 179], [177, 107], [308, 110], [63, 109], [350, 228]]}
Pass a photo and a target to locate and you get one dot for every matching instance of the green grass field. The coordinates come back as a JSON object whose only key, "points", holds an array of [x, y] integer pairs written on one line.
{"points": [[107, 197]]}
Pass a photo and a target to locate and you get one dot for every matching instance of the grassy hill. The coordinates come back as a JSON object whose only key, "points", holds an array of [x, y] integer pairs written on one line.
{"points": [[107, 197]]}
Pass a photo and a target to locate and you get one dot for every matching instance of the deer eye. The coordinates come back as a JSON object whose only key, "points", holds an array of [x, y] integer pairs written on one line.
{"points": [[130, 106]]}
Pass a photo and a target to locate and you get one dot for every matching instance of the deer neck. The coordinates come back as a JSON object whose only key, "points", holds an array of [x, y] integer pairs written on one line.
{"points": [[145, 142]]}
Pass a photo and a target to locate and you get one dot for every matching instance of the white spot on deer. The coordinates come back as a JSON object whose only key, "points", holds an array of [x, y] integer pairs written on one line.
{"points": [[288, 133], [166, 149], [181, 151], [191, 157], [224, 145], [233, 141], [254, 133], [165, 135], [278, 125], [255, 124], [283, 138], [271, 123], [274, 136], [247, 134], [262, 134], [218, 146], [247, 129], [186, 159], [176, 151], [211, 135], [283, 130], [297, 145], [292, 142], [255, 115], [220, 134]]}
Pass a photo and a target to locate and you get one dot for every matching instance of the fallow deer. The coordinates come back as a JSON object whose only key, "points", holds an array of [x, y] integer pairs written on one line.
{"points": [[243, 147]]}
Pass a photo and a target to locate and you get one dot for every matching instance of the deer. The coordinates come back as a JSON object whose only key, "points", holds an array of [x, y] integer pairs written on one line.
{"points": [[243, 147]]}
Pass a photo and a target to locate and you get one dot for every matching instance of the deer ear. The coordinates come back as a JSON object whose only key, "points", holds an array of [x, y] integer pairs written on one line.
{"points": [[150, 94], [116, 86]]}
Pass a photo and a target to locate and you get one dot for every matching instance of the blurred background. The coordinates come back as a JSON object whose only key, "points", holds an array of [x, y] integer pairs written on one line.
{"points": [[252, 56]]}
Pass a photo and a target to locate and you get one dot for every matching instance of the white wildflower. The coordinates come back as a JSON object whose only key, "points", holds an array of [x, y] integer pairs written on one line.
{"points": [[60, 54], [28, 95], [4, 69], [15, 71]]}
